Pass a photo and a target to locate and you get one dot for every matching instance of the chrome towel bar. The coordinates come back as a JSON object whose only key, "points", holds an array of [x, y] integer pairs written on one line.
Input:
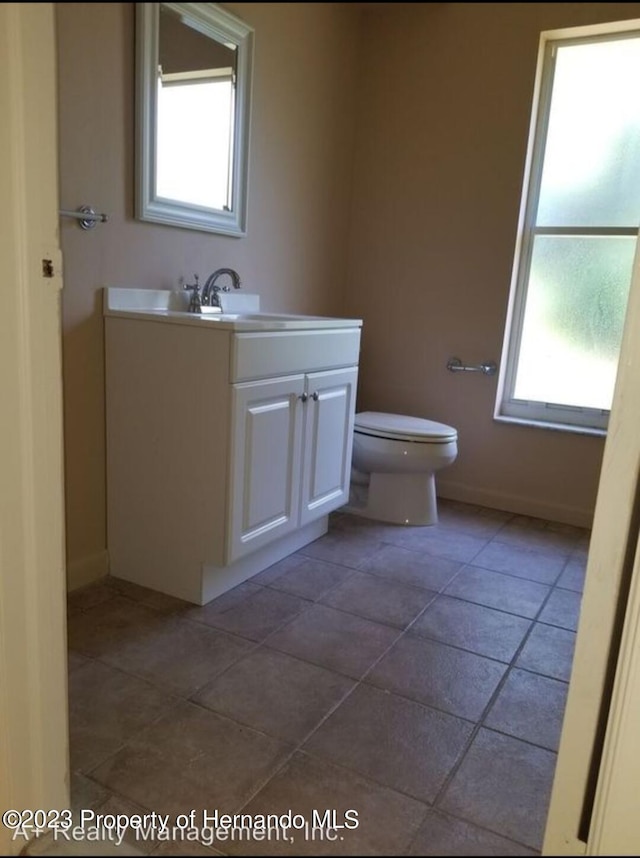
{"points": [[86, 215], [456, 365]]}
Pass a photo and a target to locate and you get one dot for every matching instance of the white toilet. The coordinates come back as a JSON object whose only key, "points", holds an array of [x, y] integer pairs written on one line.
{"points": [[394, 462]]}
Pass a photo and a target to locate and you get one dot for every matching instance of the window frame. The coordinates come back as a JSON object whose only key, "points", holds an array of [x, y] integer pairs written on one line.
{"points": [[583, 420]]}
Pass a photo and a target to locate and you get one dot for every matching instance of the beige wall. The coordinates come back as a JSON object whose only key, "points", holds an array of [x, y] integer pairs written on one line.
{"points": [[444, 106], [442, 111], [295, 252]]}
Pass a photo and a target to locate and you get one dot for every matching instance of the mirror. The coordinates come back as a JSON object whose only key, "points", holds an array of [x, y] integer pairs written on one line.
{"points": [[193, 79]]}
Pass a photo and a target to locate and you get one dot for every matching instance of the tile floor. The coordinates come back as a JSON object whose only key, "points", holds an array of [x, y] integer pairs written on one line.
{"points": [[415, 675]]}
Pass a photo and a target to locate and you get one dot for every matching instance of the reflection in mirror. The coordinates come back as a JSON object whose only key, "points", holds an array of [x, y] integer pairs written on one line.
{"points": [[196, 78], [194, 70]]}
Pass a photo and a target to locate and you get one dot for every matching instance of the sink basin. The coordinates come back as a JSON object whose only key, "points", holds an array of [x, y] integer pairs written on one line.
{"points": [[160, 305]]}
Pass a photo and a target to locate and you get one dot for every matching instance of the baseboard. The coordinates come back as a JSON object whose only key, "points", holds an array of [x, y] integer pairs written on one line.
{"points": [[517, 504], [87, 570]]}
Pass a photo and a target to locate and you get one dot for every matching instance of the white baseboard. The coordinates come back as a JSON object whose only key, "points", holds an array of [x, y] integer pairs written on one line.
{"points": [[517, 504], [86, 570]]}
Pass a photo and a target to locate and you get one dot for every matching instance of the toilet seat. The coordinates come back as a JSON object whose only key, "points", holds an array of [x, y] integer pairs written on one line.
{"points": [[402, 428]]}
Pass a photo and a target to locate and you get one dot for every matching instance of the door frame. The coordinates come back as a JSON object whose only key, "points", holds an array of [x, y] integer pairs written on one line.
{"points": [[598, 753], [33, 663]]}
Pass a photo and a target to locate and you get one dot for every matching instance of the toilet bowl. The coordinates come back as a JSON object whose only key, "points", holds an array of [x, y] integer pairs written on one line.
{"points": [[395, 459]]}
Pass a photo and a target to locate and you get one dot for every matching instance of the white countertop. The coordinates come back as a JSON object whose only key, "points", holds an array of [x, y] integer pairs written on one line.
{"points": [[167, 306]]}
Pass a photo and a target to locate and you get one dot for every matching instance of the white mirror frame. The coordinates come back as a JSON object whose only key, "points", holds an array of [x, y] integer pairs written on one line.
{"points": [[223, 27]]}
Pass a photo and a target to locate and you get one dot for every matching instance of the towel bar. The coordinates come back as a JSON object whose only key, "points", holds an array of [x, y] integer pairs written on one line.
{"points": [[456, 365]]}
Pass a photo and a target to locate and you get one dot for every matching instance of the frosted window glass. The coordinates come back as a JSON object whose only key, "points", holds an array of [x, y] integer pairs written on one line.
{"points": [[591, 168], [574, 315]]}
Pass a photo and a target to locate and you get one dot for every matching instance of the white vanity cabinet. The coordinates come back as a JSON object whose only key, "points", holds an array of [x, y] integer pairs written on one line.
{"points": [[227, 445], [291, 454]]}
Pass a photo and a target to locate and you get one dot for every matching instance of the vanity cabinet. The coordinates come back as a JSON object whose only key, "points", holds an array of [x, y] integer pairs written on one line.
{"points": [[227, 448], [291, 454]]}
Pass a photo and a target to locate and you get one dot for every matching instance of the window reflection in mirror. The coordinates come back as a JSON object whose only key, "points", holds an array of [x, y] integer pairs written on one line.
{"points": [[196, 78], [193, 92]]}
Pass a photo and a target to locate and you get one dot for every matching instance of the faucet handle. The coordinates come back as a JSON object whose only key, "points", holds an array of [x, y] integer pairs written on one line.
{"points": [[195, 304], [195, 286]]}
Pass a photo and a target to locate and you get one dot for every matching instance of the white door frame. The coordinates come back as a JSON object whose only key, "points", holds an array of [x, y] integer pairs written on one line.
{"points": [[615, 824], [34, 767]]}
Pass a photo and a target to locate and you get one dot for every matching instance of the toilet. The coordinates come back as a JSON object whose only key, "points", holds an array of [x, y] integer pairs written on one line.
{"points": [[395, 459]]}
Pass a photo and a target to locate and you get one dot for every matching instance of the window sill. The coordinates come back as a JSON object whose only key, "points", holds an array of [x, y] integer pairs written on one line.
{"points": [[554, 427]]}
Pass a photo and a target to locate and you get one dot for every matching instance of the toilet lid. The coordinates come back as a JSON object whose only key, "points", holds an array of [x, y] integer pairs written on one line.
{"points": [[403, 428]]}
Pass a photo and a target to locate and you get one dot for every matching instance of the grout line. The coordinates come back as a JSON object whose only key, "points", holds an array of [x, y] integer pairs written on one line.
{"points": [[453, 815], [353, 570], [498, 690], [357, 684], [263, 642]]}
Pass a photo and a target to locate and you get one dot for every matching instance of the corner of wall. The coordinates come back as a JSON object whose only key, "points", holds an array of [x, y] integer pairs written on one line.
{"points": [[87, 570]]}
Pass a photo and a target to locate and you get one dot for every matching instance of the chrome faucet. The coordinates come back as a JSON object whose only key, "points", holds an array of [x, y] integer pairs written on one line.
{"points": [[210, 296]]}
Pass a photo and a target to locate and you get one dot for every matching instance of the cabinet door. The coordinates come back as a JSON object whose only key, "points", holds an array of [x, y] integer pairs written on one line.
{"points": [[266, 439], [328, 441]]}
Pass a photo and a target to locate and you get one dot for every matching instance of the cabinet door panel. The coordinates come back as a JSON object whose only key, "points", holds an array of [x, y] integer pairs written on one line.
{"points": [[265, 465], [328, 441]]}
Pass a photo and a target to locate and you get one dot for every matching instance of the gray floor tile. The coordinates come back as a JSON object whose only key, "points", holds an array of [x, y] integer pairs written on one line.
{"points": [[383, 747], [227, 601], [106, 708], [438, 675], [276, 693], [305, 576], [396, 742], [440, 542], [530, 707], [378, 599], [574, 531], [335, 640], [386, 819], [121, 808], [445, 835], [574, 574], [582, 544], [562, 609], [75, 660], [111, 623], [249, 611], [543, 567], [364, 528], [536, 534], [474, 627], [478, 521], [86, 793], [192, 759], [548, 651], [276, 570], [503, 784], [499, 591], [87, 597], [345, 548], [151, 598], [403, 566], [176, 654]]}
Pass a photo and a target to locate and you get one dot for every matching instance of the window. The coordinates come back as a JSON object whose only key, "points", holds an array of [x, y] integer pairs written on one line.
{"points": [[577, 236]]}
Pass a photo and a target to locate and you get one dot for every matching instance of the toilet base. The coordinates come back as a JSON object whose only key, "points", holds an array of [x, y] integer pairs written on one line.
{"points": [[407, 499]]}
